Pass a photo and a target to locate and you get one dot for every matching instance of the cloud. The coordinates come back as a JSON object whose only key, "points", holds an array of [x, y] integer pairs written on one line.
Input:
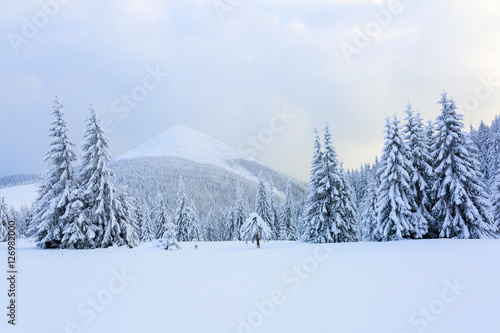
{"points": [[226, 76]]}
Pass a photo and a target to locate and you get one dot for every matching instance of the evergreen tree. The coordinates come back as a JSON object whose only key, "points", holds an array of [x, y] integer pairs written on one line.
{"points": [[342, 215], [394, 195], [210, 226], [239, 214], [4, 220], [102, 216], [147, 233], [331, 217], [160, 217], [420, 174], [54, 194], [314, 225], [79, 233], [185, 219], [194, 231], [168, 240], [262, 203], [227, 225], [496, 198], [462, 207], [24, 217], [368, 218], [274, 221], [493, 151], [126, 230], [288, 229], [255, 229]]}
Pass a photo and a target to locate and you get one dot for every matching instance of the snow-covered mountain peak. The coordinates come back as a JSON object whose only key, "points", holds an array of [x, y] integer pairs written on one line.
{"points": [[187, 143]]}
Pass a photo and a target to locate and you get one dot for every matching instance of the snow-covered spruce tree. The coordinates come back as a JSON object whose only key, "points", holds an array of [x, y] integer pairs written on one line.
{"points": [[4, 220], [160, 217], [210, 229], [226, 224], [194, 230], [127, 229], [313, 222], [107, 214], [495, 198], [147, 233], [368, 217], [168, 240], [239, 214], [330, 208], [262, 203], [481, 138], [462, 207], [430, 132], [23, 218], [394, 195], [493, 153], [54, 193], [420, 174], [343, 214], [255, 229], [288, 229], [274, 221], [184, 216], [79, 232]]}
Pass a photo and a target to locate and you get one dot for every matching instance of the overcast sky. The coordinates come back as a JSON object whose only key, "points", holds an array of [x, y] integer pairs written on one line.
{"points": [[235, 65]]}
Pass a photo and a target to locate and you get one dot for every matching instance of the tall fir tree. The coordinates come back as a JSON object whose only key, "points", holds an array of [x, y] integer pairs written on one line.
{"points": [[462, 205], [185, 218], [240, 213], [274, 221], [210, 230], [194, 230], [55, 192], [288, 229], [420, 174], [342, 214], [262, 202], [160, 217], [331, 209], [368, 217], [496, 198], [105, 215], [147, 232], [4, 220], [394, 194], [314, 225]]}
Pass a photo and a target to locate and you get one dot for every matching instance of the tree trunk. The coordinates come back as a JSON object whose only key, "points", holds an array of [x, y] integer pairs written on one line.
{"points": [[258, 243]]}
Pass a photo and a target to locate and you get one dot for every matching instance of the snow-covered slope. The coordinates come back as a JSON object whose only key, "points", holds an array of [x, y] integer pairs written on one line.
{"points": [[211, 170], [431, 286], [19, 195], [183, 142]]}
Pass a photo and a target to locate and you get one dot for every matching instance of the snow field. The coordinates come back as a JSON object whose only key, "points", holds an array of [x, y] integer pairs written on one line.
{"points": [[408, 286], [20, 195]]}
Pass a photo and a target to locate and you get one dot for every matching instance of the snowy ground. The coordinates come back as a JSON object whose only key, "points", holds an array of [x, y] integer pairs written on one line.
{"points": [[19, 195], [411, 286]]}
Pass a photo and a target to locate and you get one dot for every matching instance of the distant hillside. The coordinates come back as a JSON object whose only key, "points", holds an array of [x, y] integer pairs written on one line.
{"points": [[210, 168], [16, 180], [148, 176]]}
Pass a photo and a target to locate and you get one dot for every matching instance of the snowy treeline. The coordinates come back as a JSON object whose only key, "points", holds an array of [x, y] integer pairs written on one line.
{"points": [[433, 180], [85, 209], [16, 180], [82, 210], [208, 185], [429, 182]]}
